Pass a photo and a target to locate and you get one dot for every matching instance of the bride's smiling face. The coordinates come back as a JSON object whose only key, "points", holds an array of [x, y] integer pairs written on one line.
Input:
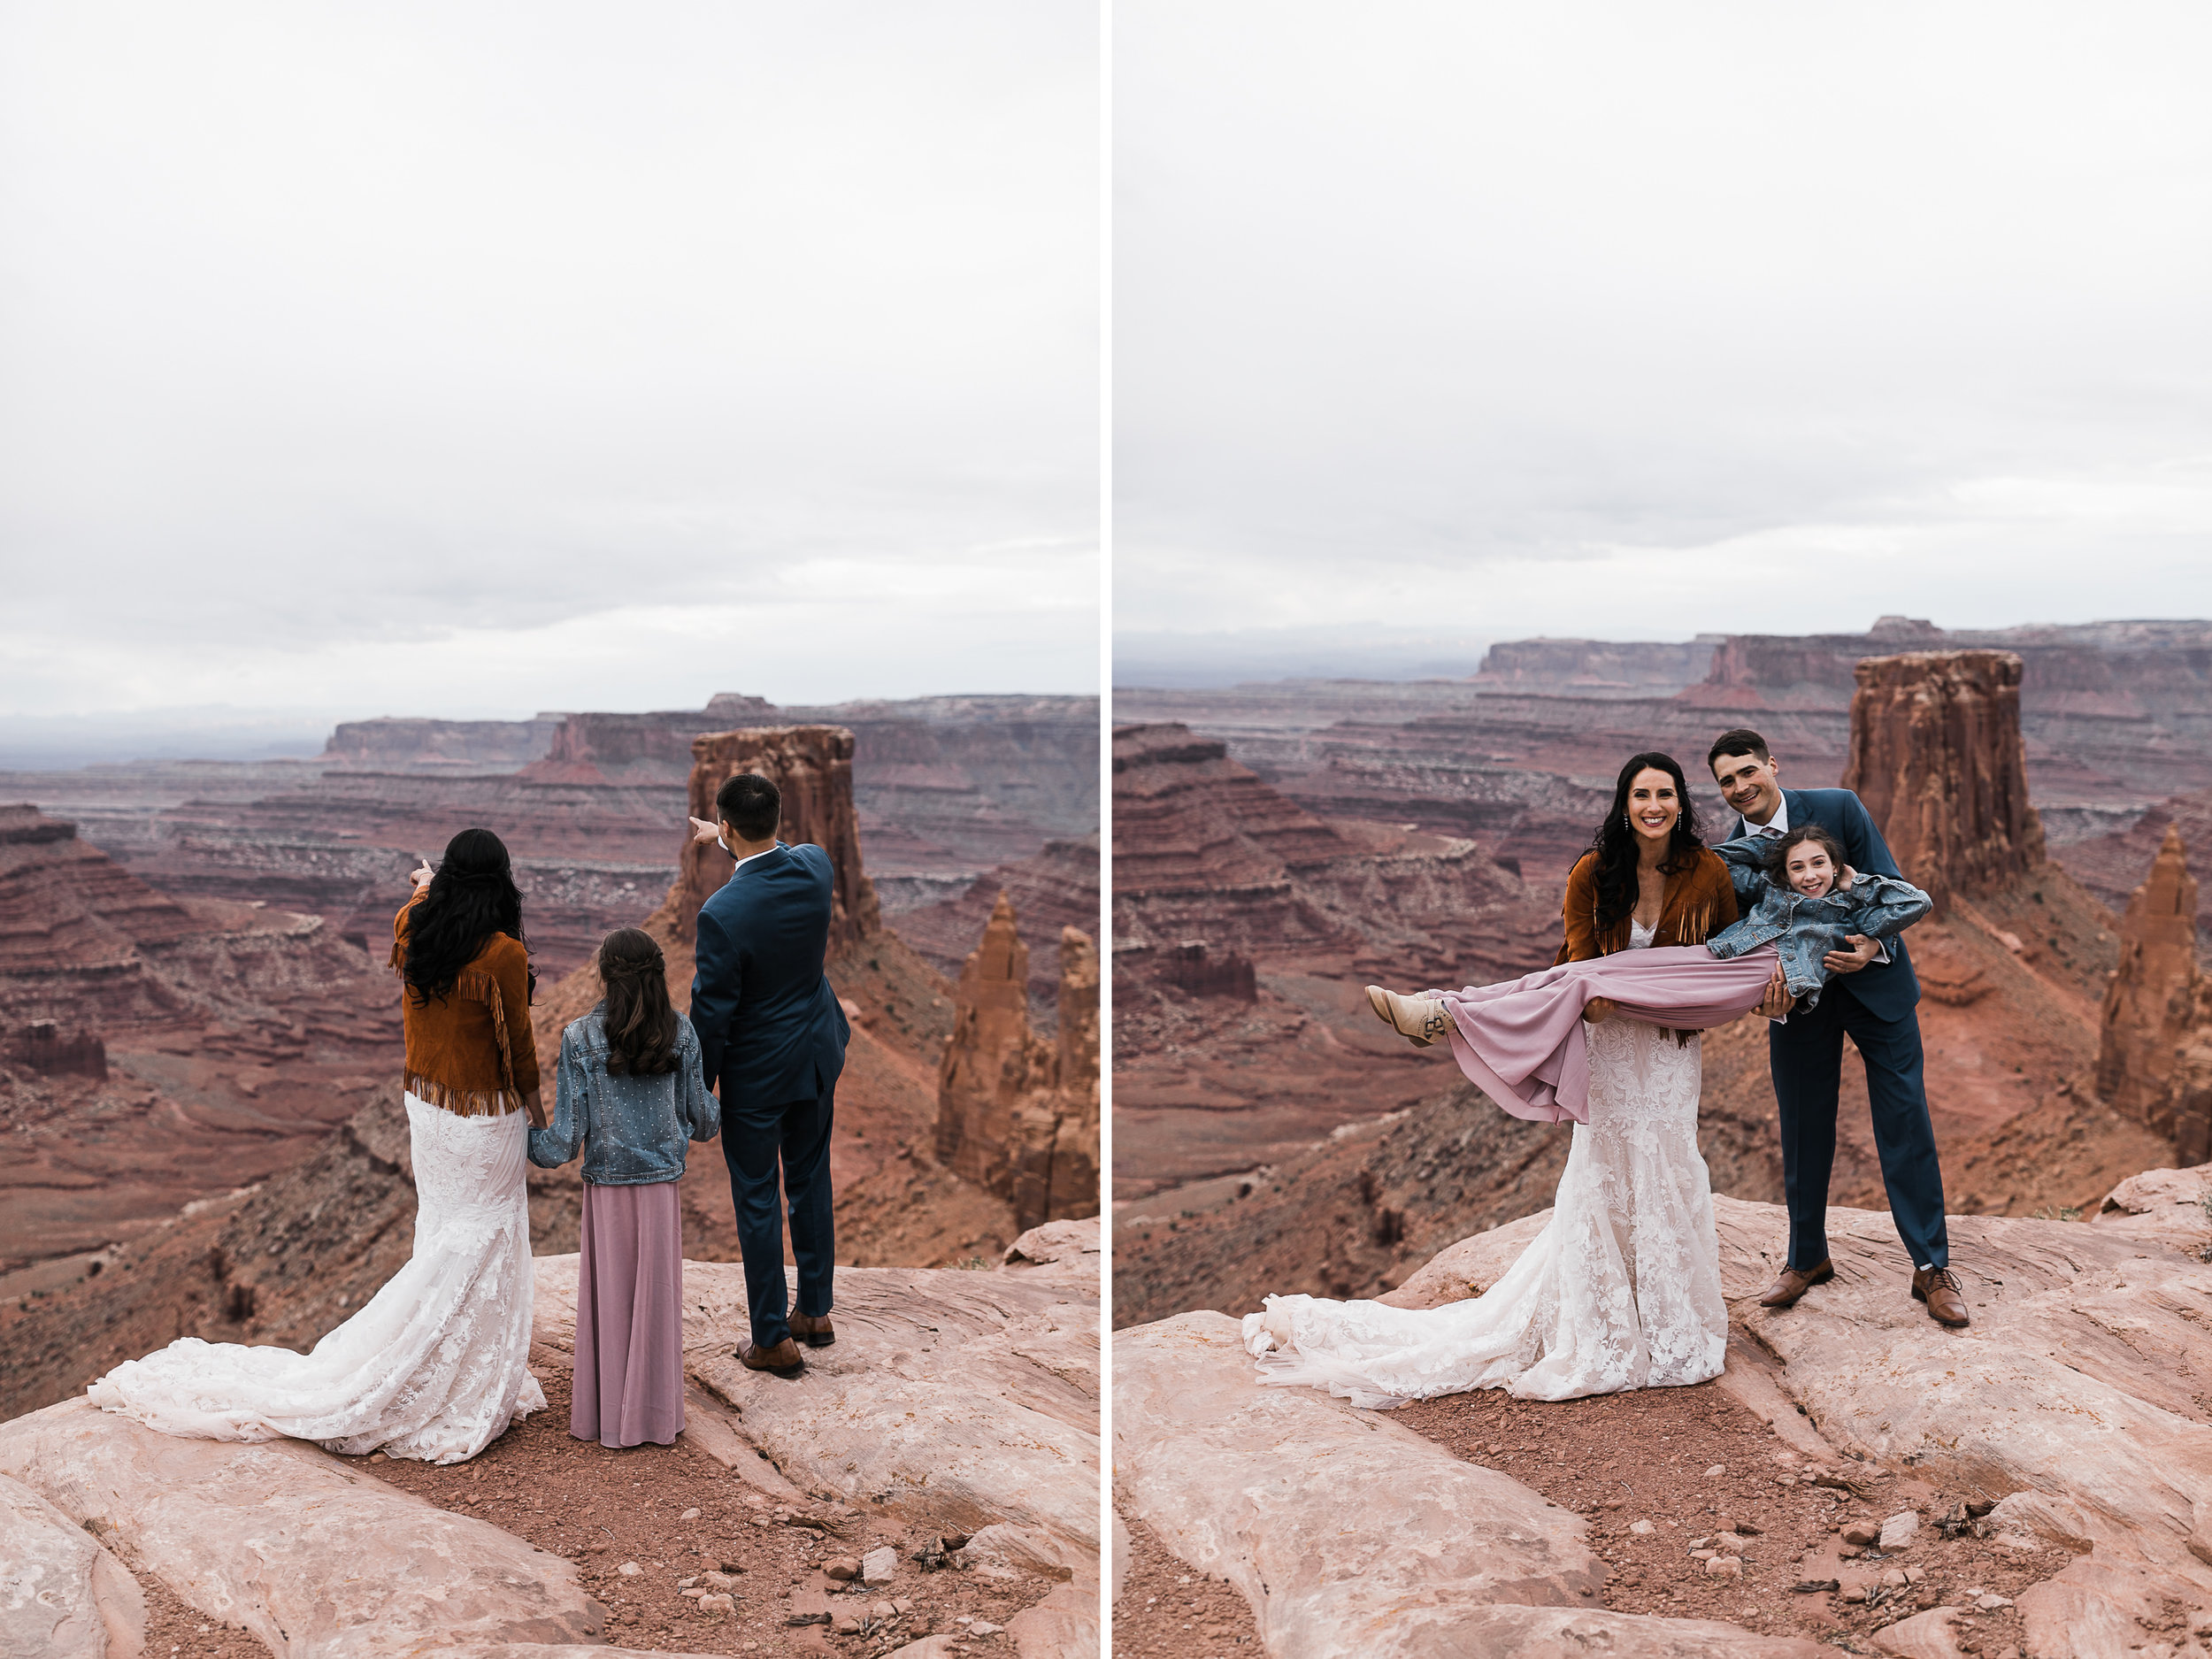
{"points": [[1653, 804]]}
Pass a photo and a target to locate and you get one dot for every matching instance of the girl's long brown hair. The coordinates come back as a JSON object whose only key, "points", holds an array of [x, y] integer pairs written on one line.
{"points": [[641, 1021]]}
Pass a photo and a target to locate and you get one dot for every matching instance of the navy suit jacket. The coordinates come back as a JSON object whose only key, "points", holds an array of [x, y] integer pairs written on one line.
{"points": [[771, 1031], [1888, 990]]}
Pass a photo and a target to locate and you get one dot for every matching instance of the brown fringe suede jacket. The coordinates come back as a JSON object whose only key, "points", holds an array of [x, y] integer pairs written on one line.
{"points": [[472, 1054], [1699, 902]]}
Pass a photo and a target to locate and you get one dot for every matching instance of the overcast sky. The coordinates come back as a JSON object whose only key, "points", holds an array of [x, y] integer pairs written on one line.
{"points": [[477, 358], [1477, 321]]}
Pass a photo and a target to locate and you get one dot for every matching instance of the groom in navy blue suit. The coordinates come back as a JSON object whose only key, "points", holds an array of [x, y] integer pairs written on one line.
{"points": [[1871, 1000], [771, 1043]]}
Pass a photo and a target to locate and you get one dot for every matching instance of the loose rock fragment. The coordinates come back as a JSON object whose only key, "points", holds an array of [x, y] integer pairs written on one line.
{"points": [[1897, 1532], [879, 1566], [844, 1569], [1724, 1567], [1641, 1528], [1861, 1532], [717, 1604]]}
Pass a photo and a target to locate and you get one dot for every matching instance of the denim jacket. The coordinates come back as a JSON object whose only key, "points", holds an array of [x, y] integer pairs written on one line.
{"points": [[1805, 930], [632, 1128]]}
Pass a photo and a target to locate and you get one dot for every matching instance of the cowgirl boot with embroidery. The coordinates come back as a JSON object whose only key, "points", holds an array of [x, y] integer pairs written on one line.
{"points": [[1420, 1020]]}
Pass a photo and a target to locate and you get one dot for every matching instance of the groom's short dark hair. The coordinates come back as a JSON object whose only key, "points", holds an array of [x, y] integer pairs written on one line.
{"points": [[1741, 741], [749, 804]]}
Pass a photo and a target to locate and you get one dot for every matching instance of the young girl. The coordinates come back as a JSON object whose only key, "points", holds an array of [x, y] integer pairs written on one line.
{"points": [[1519, 1040], [1801, 896], [628, 1088]]}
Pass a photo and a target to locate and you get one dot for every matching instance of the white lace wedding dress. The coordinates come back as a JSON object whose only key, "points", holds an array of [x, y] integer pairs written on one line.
{"points": [[1621, 1289], [433, 1367]]}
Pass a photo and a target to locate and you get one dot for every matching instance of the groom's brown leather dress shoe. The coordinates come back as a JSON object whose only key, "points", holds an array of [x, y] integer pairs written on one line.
{"points": [[1939, 1288], [812, 1332], [784, 1359], [1792, 1284]]}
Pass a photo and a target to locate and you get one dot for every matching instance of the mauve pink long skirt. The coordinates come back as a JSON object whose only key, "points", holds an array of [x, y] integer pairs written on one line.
{"points": [[629, 1381]]}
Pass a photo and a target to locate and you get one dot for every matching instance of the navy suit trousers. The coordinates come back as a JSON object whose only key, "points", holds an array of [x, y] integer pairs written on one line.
{"points": [[756, 1141], [1806, 1055]]}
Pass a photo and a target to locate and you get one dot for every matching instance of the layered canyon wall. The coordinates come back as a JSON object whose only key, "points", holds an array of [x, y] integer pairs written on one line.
{"points": [[946, 789]]}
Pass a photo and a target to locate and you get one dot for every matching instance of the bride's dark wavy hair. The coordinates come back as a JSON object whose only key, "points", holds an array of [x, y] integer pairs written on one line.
{"points": [[472, 898], [639, 1018], [1615, 843]]}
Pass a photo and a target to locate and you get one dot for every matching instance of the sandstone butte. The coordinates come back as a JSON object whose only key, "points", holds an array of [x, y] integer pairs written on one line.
{"points": [[2154, 1056], [1017, 1113], [1936, 756], [969, 1400]]}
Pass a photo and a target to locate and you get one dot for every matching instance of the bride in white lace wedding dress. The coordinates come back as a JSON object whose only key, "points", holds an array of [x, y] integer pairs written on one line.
{"points": [[1621, 1289], [435, 1365]]}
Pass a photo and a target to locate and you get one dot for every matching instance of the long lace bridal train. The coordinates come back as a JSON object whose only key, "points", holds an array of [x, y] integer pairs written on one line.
{"points": [[433, 1367], [1621, 1289]]}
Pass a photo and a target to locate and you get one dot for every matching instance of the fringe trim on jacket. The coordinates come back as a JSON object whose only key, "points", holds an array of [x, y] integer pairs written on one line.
{"points": [[462, 1102]]}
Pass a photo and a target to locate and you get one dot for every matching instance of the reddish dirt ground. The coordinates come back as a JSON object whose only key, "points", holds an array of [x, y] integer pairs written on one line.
{"points": [[1651, 1456], [1167, 1611], [604, 1508]]}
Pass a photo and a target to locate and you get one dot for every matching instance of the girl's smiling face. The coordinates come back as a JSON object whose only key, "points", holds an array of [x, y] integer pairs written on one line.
{"points": [[1810, 869]]}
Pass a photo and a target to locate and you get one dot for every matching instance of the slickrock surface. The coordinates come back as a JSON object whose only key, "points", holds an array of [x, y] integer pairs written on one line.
{"points": [[2072, 1404], [305, 1551], [1347, 1532], [1017, 1113], [1938, 758], [62, 1592]]}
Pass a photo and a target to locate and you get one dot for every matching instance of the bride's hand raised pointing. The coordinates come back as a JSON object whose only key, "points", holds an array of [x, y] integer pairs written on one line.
{"points": [[421, 874]]}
